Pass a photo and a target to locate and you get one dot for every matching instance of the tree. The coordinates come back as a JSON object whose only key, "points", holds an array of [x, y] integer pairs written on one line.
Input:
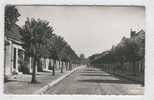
{"points": [[11, 16], [128, 50], [71, 56], [132, 53], [53, 51], [60, 44], [35, 34], [64, 57], [60, 50], [82, 58]]}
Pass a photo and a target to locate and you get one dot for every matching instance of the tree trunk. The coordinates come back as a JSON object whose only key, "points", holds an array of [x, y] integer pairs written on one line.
{"points": [[70, 66], [39, 65], [59, 64], [134, 68], [53, 69], [66, 64], [34, 71], [62, 67], [121, 65]]}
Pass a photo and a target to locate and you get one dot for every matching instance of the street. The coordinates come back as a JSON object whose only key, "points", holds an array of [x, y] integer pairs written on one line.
{"points": [[96, 82]]}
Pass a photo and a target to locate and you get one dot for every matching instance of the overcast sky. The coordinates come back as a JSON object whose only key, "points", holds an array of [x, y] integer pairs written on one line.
{"points": [[88, 29]]}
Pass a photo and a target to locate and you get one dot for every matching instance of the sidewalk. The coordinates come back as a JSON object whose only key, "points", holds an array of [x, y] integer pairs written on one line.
{"points": [[22, 85], [138, 78]]}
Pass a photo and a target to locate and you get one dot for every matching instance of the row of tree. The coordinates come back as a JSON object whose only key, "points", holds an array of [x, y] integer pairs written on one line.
{"points": [[39, 41], [128, 50]]}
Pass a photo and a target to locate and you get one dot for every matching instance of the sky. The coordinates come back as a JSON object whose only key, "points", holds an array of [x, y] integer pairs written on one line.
{"points": [[88, 29]]}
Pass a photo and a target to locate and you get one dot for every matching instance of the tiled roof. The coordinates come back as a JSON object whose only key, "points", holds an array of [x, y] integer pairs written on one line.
{"points": [[14, 33]]}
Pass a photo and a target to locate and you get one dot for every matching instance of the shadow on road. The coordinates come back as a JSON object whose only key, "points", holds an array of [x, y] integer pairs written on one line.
{"points": [[107, 81], [102, 77], [93, 75], [91, 72]]}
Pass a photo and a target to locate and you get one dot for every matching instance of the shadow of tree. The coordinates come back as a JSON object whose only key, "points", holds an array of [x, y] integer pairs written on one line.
{"points": [[21, 81], [120, 81], [85, 74], [92, 72]]}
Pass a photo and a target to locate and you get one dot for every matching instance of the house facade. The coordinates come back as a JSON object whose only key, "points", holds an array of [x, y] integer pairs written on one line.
{"points": [[14, 52]]}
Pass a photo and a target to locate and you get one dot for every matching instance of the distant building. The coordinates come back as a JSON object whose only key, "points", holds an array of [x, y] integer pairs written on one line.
{"points": [[83, 60]]}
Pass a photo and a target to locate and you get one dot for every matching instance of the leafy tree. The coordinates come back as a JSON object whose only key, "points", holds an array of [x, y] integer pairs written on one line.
{"points": [[35, 35], [71, 56], [60, 50], [132, 53], [53, 51], [64, 57], [60, 44], [54, 56], [128, 50], [83, 59], [11, 16]]}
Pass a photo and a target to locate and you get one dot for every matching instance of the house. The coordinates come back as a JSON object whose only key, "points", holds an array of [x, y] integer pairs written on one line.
{"points": [[14, 52], [14, 57], [15, 60]]}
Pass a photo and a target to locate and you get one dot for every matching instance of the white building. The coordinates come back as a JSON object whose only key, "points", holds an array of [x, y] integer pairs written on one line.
{"points": [[14, 53]]}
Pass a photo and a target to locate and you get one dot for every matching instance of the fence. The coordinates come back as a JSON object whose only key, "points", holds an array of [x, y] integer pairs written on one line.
{"points": [[138, 67]]}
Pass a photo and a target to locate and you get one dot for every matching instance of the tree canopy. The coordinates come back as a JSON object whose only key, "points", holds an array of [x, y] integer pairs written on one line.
{"points": [[128, 50], [11, 16], [35, 35]]}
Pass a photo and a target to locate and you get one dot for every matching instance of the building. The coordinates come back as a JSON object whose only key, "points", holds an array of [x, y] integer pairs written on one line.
{"points": [[15, 60], [14, 52]]}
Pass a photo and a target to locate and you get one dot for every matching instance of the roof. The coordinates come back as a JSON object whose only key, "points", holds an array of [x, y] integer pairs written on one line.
{"points": [[14, 33]]}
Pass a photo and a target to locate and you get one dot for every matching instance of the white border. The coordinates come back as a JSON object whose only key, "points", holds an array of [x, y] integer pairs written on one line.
{"points": [[149, 70], [77, 2]]}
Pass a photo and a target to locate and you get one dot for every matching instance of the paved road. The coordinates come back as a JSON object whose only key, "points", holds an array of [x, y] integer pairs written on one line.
{"points": [[95, 81]]}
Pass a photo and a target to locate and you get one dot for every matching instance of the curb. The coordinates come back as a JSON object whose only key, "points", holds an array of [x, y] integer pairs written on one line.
{"points": [[49, 85]]}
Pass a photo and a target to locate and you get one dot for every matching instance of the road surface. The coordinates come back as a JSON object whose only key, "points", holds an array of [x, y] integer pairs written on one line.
{"points": [[96, 82]]}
